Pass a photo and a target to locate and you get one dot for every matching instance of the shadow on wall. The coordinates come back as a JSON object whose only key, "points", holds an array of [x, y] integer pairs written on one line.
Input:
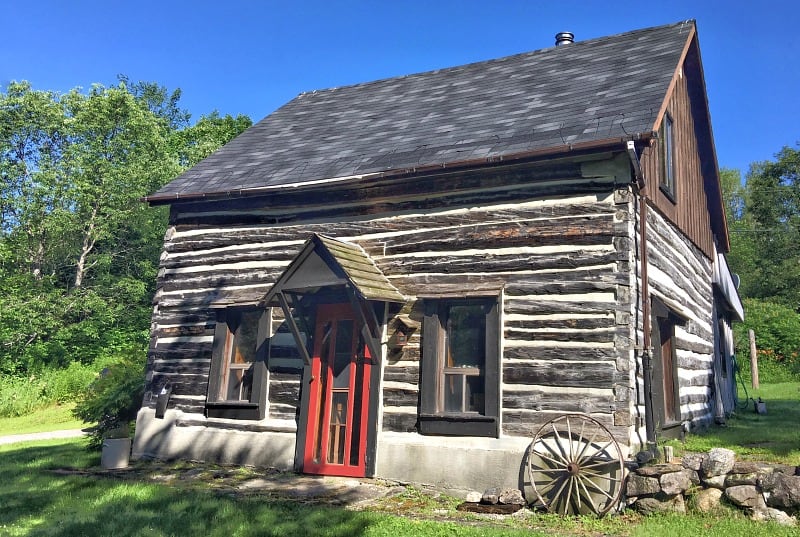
{"points": [[163, 439]]}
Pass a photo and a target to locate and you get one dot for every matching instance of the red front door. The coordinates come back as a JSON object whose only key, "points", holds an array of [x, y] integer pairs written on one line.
{"points": [[338, 407]]}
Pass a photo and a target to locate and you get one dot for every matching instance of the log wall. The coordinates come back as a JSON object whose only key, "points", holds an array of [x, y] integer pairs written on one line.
{"points": [[557, 240]]}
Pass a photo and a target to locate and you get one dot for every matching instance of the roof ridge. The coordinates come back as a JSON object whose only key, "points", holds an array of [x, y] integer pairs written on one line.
{"points": [[476, 64]]}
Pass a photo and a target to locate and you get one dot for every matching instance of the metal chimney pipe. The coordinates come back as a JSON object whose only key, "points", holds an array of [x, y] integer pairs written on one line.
{"points": [[564, 38]]}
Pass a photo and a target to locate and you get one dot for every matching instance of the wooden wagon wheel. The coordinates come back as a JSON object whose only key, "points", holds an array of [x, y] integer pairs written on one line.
{"points": [[576, 466]]}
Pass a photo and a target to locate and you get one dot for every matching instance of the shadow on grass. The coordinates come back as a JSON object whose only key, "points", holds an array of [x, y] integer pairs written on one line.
{"points": [[36, 501]]}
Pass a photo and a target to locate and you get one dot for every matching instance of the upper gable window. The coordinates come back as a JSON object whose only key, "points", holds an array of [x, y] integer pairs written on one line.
{"points": [[460, 367], [237, 380], [667, 182]]}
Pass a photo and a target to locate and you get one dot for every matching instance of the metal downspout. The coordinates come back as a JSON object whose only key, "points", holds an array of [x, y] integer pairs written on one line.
{"points": [[647, 363]]}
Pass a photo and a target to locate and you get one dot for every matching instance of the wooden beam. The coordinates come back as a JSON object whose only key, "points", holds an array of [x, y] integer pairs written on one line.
{"points": [[287, 313]]}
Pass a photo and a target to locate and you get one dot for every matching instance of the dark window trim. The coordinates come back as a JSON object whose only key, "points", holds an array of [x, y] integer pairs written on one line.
{"points": [[255, 408], [667, 184], [432, 419]]}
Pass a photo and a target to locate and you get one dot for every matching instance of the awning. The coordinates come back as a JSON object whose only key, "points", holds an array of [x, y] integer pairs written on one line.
{"points": [[328, 263]]}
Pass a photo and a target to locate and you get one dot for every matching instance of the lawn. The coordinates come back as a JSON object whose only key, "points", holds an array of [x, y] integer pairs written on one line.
{"points": [[51, 418], [38, 501], [773, 437]]}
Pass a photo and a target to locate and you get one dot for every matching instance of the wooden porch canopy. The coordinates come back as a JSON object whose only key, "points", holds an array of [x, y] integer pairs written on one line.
{"points": [[325, 262]]}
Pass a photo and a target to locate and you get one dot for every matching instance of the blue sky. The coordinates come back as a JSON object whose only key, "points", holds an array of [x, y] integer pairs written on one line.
{"points": [[251, 57]]}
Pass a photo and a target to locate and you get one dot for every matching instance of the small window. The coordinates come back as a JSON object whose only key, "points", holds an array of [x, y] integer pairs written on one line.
{"points": [[237, 380], [667, 183], [460, 367]]}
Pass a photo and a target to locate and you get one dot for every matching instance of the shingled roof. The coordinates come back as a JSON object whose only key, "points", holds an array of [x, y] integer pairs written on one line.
{"points": [[585, 93]]}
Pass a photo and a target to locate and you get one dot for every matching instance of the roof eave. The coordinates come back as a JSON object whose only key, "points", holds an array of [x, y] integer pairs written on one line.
{"points": [[491, 160]]}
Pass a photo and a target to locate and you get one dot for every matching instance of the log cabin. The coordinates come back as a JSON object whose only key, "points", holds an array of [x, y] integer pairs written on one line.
{"points": [[405, 278]]}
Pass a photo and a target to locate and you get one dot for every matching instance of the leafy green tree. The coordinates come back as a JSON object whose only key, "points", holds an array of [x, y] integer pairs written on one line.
{"points": [[770, 257], [78, 249]]}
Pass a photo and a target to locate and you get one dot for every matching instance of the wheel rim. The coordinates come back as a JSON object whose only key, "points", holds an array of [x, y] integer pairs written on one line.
{"points": [[576, 466]]}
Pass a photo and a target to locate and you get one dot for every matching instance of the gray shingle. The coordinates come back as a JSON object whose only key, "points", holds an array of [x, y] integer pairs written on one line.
{"points": [[586, 91]]}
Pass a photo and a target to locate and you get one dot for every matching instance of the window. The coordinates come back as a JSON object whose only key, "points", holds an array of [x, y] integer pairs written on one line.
{"points": [[237, 380], [460, 367], [667, 182]]}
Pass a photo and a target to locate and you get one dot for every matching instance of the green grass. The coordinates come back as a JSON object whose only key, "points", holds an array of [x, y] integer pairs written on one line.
{"points": [[771, 437], [40, 502], [52, 418]]}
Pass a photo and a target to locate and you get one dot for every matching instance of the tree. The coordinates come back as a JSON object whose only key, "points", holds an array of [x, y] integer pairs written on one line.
{"points": [[78, 249], [770, 260]]}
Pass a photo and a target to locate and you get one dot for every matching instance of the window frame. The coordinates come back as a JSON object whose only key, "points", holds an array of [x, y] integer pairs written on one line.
{"points": [[667, 180], [253, 408], [433, 418]]}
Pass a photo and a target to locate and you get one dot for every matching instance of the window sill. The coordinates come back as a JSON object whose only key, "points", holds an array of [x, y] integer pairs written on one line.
{"points": [[458, 425], [235, 410]]}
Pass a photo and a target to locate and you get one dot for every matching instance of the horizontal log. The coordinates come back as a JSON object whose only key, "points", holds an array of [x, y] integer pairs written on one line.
{"points": [[559, 354], [527, 423], [549, 307], [399, 422], [184, 330], [577, 375], [584, 336], [405, 374], [494, 263], [284, 393], [572, 323], [564, 403], [181, 368], [181, 385], [470, 196], [399, 397]]}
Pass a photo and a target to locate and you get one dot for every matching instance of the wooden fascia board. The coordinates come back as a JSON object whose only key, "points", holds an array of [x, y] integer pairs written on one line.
{"points": [[277, 287], [725, 246], [674, 81]]}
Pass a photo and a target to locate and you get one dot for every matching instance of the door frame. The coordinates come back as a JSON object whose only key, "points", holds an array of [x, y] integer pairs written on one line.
{"points": [[311, 413]]}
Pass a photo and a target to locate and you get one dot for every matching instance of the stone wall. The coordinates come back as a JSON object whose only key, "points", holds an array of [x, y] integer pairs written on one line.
{"points": [[765, 491]]}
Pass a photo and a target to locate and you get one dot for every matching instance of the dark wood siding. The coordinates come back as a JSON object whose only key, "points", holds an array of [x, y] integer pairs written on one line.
{"points": [[689, 209]]}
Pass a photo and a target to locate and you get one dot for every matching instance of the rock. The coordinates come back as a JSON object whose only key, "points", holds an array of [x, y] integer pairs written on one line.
{"points": [[511, 497], [785, 493], [731, 480], [490, 496], [473, 496], [661, 504], [657, 470], [716, 482], [675, 482], [693, 461], [769, 514], [642, 486], [747, 496], [720, 461], [708, 500]]}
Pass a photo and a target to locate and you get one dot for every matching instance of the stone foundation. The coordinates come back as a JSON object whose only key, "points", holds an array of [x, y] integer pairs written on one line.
{"points": [[766, 491]]}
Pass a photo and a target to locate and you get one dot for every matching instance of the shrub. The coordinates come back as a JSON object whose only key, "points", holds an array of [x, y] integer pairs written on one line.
{"points": [[114, 398], [19, 395]]}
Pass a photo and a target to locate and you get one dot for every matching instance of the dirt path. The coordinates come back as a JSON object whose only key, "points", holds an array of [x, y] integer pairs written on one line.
{"points": [[48, 435]]}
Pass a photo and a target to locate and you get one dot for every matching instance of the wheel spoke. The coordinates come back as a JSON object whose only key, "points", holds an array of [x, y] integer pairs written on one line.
{"points": [[558, 443], [588, 496], [569, 437], [599, 489], [561, 462], [582, 476], [586, 445]]}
